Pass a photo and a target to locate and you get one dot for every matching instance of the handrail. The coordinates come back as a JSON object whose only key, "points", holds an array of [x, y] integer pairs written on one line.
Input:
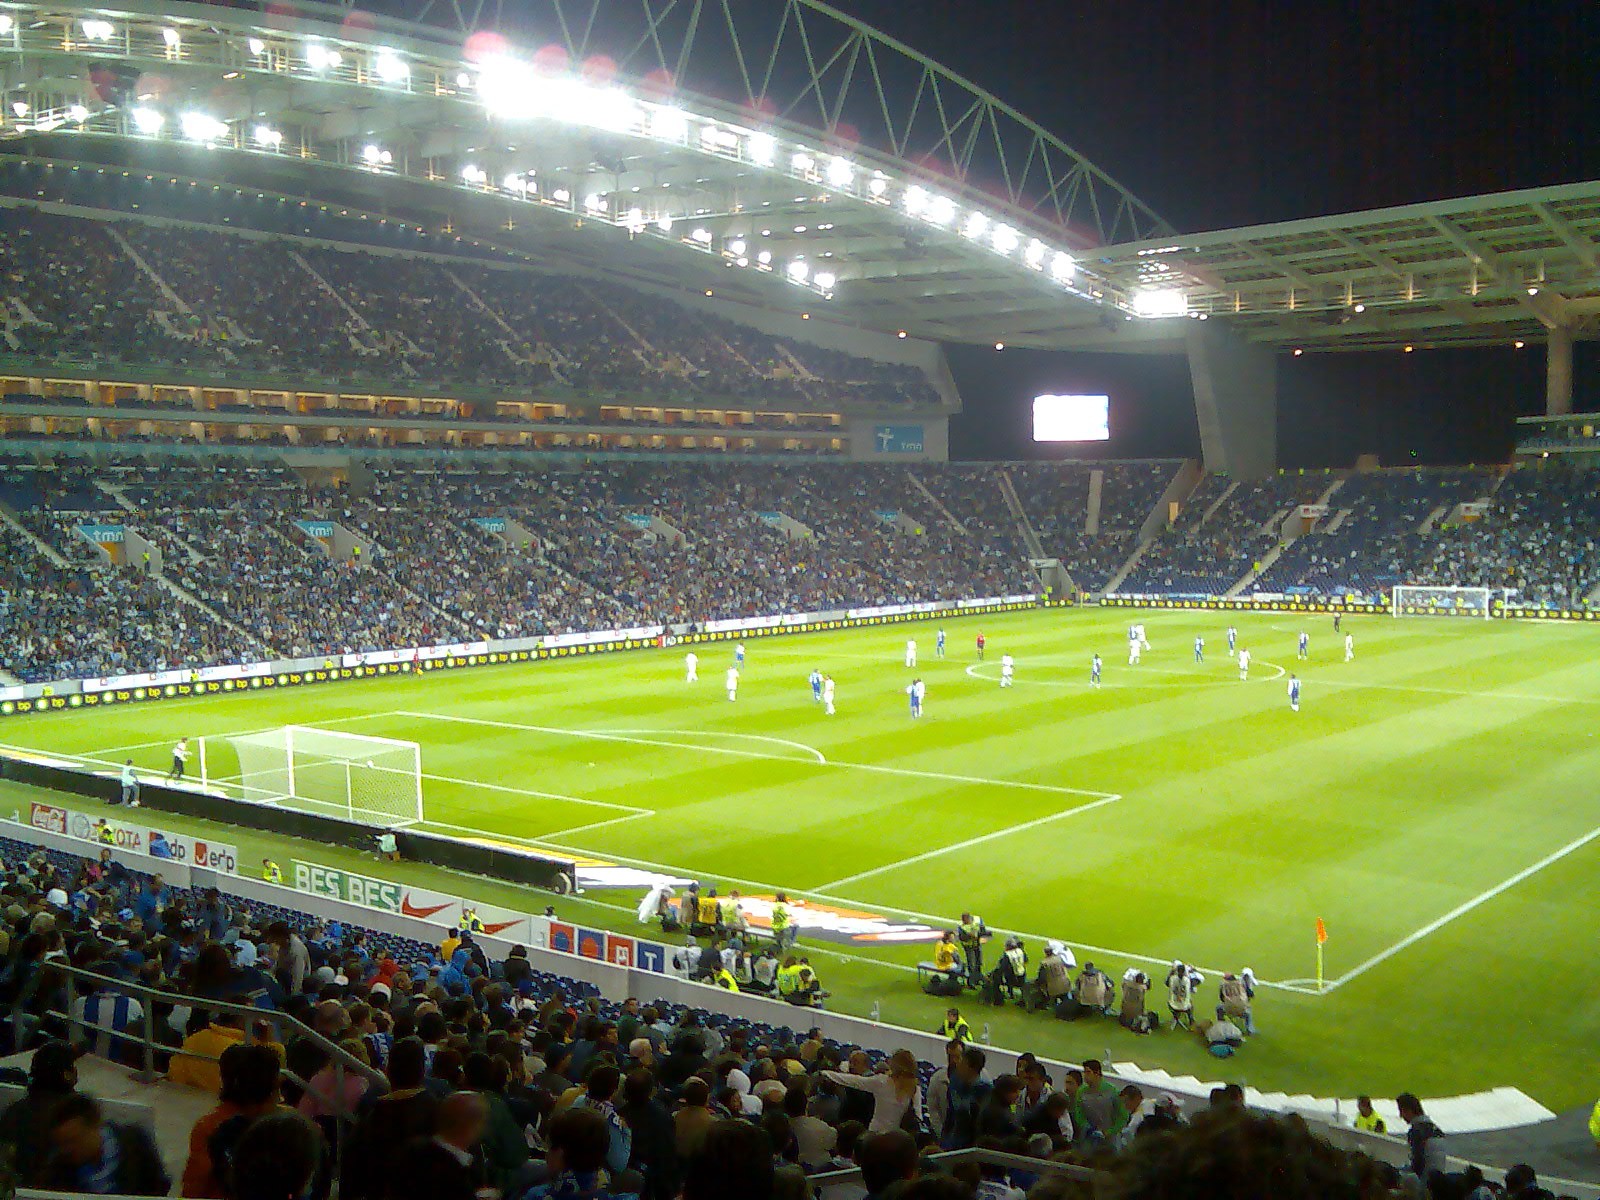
{"points": [[343, 1059], [993, 1158]]}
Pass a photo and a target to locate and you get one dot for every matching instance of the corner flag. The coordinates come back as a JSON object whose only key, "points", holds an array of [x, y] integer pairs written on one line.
{"points": [[1322, 932]]}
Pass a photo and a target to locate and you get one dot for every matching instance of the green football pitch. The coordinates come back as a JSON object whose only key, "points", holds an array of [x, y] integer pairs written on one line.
{"points": [[1433, 802]]}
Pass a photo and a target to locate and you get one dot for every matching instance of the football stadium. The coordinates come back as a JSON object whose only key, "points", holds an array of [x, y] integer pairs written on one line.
{"points": [[522, 673]]}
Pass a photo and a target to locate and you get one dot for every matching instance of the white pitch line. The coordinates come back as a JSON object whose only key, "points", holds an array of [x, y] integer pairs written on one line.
{"points": [[715, 733], [973, 841], [1433, 691], [821, 762], [501, 787], [1461, 910]]}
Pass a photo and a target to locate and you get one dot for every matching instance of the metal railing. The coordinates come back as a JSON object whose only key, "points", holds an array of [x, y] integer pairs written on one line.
{"points": [[991, 1158], [59, 977]]}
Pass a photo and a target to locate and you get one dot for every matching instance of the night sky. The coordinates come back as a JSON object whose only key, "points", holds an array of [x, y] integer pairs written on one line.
{"points": [[1222, 114]]}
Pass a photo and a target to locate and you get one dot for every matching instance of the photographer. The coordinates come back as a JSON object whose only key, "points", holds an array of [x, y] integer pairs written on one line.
{"points": [[1234, 995], [1010, 975], [1182, 980], [1054, 979], [1093, 991]]}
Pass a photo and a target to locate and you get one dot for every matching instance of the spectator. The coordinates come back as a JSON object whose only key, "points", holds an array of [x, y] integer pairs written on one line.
{"points": [[886, 1159], [1424, 1139], [52, 1078], [577, 1148], [444, 1166], [1100, 1115], [693, 1118], [1366, 1119], [734, 1162], [1240, 1157], [897, 1096], [276, 1158], [964, 1101], [90, 1154], [197, 1062], [249, 1091]]}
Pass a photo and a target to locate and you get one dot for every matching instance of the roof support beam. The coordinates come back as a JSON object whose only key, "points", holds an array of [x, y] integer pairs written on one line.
{"points": [[1293, 274], [1573, 240], [1548, 308]]}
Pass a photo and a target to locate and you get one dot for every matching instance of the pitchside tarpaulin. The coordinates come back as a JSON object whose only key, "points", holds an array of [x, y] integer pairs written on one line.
{"points": [[136, 836]]}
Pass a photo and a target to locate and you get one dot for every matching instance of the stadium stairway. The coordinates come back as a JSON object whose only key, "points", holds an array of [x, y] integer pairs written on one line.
{"points": [[1126, 569], [1030, 539], [938, 507], [1264, 564], [8, 518], [167, 1110], [1217, 504], [149, 272]]}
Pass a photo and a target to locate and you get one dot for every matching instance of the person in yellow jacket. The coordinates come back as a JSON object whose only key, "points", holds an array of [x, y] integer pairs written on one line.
{"points": [[1367, 1120], [709, 913], [470, 922], [947, 955], [270, 871], [725, 979], [1594, 1124], [784, 930], [955, 1027]]}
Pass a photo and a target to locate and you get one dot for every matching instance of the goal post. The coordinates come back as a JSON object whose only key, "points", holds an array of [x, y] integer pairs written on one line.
{"points": [[1412, 600], [372, 779]]}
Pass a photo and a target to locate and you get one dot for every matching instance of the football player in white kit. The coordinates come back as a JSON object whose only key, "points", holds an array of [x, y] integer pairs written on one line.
{"points": [[731, 681], [1244, 664], [1007, 669], [827, 694], [911, 652], [691, 666]]}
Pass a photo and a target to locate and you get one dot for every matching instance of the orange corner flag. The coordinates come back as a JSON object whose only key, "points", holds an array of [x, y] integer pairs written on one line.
{"points": [[1322, 932]]}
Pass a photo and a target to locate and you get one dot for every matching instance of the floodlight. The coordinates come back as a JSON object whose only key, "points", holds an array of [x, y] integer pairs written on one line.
{"points": [[514, 183], [594, 202], [561, 196], [941, 210], [390, 67], [664, 222], [78, 114], [798, 270], [764, 258], [736, 246], [373, 155], [322, 58], [266, 135], [878, 185], [472, 174], [171, 38], [6, 24], [1160, 302], [634, 221], [202, 127], [762, 149], [976, 224], [915, 200], [1033, 255], [257, 46], [840, 172], [703, 236], [148, 121], [1063, 266], [99, 31], [19, 108], [669, 124], [1005, 239], [801, 162], [825, 281], [463, 79]]}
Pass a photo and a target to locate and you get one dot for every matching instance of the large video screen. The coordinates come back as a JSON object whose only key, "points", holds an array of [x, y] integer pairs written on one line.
{"points": [[1071, 418]]}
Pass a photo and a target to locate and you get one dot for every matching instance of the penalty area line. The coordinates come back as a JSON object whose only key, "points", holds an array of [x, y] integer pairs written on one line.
{"points": [[1463, 909], [1008, 831]]}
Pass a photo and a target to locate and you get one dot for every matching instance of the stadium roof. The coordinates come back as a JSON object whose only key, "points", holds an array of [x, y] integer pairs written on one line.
{"points": [[788, 156]]}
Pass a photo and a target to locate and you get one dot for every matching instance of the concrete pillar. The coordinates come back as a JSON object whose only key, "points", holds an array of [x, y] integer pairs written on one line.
{"points": [[1558, 372], [1235, 400]]}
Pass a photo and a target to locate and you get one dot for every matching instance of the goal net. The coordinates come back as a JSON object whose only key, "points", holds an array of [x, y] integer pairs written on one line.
{"points": [[1412, 601], [367, 778]]}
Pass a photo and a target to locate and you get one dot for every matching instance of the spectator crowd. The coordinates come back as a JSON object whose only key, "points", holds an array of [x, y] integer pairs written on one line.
{"points": [[401, 1071]]}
